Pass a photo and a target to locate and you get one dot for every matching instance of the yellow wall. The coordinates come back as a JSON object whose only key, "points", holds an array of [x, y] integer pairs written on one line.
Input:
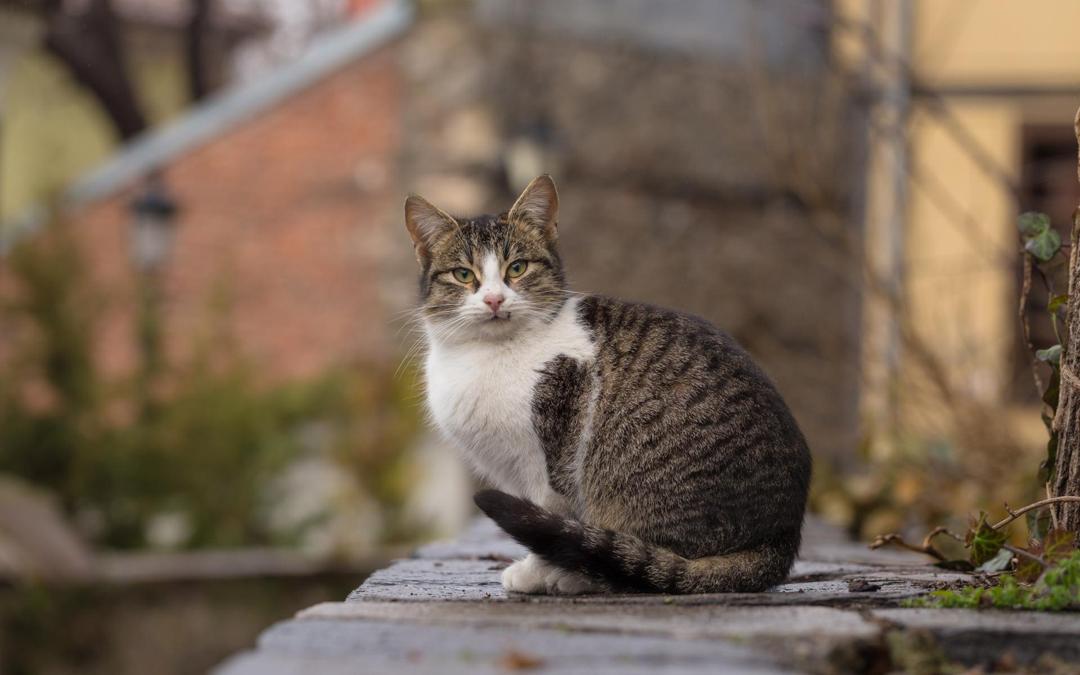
{"points": [[997, 41], [53, 130], [959, 237]]}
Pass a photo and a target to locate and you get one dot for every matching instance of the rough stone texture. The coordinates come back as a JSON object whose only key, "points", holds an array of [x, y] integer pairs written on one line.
{"points": [[444, 611]]}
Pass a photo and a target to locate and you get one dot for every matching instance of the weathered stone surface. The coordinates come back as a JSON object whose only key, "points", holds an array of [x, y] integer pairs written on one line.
{"points": [[444, 611], [971, 636], [434, 580], [378, 646], [468, 569], [809, 629]]}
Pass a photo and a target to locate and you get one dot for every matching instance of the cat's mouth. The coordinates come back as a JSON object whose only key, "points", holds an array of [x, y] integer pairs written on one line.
{"points": [[504, 316]]}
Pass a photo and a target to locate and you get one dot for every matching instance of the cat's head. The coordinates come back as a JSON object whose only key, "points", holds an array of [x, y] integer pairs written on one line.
{"points": [[488, 277]]}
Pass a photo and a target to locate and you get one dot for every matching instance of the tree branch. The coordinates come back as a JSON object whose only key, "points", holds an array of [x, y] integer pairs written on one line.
{"points": [[89, 46], [198, 73], [1013, 515]]}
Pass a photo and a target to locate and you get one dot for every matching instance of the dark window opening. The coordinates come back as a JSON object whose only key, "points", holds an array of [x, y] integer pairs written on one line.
{"points": [[1048, 183]]}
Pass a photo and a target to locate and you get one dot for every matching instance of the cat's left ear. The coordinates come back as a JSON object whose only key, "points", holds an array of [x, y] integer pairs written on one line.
{"points": [[538, 206], [426, 224]]}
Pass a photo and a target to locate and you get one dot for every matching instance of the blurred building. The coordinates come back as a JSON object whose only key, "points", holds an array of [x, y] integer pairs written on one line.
{"points": [[278, 186], [971, 123], [52, 131], [823, 180], [667, 137]]}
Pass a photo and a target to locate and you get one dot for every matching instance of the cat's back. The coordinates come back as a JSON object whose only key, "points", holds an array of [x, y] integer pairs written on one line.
{"points": [[685, 423], [653, 359], [647, 340]]}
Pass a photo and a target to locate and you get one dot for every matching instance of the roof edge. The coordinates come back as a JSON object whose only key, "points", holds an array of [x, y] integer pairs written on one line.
{"points": [[221, 112]]}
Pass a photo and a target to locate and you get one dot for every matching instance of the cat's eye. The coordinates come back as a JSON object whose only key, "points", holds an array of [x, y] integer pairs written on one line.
{"points": [[516, 269], [464, 275]]}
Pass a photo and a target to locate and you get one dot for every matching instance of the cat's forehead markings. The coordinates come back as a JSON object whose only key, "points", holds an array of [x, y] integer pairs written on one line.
{"points": [[491, 268]]}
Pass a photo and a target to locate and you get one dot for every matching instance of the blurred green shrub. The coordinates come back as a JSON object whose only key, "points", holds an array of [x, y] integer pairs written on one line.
{"points": [[205, 450]]}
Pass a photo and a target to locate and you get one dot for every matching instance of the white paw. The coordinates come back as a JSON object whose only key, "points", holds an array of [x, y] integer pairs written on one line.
{"points": [[525, 576], [534, 576], [560, 582]]}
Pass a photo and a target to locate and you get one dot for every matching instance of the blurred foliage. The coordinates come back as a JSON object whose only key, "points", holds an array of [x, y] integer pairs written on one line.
{"points": [[1046, 567], [924, 478], [1057, 589], [203, 446], [916, 481], [160, 627]]}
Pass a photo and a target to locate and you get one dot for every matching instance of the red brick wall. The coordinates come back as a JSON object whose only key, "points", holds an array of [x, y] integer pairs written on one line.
{"points": [[274, 219]]}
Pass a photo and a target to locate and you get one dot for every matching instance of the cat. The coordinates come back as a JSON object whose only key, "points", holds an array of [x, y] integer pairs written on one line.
{"points": [[633, 448]]}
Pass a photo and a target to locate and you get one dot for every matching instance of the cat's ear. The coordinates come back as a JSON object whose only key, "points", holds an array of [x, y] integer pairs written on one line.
{"points": [[538, 206], [425, 223]]}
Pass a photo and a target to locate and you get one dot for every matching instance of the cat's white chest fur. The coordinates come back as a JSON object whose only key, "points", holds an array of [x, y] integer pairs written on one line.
{"points": [[480, 395]]}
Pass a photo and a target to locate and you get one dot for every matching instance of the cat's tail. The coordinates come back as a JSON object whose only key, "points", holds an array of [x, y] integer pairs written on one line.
{"points": [[625, 562]]}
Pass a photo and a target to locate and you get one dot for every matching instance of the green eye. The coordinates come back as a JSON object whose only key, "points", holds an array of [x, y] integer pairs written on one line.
{"points": [[464, 275], [516, 269]]}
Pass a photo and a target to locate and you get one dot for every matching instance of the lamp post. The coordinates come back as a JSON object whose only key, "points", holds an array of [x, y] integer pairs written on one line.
{"points": [[153, 228], [152, 232]]}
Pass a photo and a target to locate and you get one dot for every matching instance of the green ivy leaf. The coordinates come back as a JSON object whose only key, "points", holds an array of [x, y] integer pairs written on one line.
{"points": [[1033, 223], [998, 563], [984, 541], [1057, 302], [1049, 355], [1044, 245]]}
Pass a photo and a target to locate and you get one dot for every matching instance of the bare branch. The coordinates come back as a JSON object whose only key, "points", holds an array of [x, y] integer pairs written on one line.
{"points": [[926, 548], [198, 73], [1025, 554], [1013, 515], [89, 46]]}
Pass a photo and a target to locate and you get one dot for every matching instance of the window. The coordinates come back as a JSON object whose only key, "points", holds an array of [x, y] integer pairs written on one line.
{"points": [[1048, 183]]}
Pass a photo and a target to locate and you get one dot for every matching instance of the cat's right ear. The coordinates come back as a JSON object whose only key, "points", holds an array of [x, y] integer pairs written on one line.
{"points": [[425, 222]]}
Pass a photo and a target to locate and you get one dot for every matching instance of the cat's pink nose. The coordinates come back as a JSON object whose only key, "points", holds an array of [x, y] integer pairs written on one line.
{"points": [[494, 301]]}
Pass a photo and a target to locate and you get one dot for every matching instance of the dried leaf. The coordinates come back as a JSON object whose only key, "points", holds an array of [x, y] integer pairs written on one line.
{"points": [[1028, 570], [1057, 302], [515, 660]]}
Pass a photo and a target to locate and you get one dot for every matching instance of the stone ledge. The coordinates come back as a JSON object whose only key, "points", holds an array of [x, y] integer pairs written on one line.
{"points": [[443, 610]]}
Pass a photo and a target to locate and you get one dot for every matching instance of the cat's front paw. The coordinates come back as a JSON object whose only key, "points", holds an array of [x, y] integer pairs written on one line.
{"points": [[534, 576], [526, 576]]}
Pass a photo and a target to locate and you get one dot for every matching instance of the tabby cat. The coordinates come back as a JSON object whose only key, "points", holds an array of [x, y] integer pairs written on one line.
{"points": [[634, 448]]}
